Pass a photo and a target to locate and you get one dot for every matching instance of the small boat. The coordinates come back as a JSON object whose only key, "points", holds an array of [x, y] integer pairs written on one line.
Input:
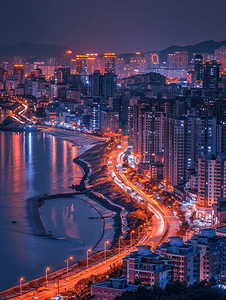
{"points": [[14, 222]]}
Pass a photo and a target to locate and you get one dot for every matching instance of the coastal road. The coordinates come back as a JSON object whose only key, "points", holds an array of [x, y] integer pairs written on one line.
{"points": [[165, 223], [68, 283]]}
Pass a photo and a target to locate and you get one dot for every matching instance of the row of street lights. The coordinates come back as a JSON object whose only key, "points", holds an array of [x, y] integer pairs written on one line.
{"points": [[105, 251], [47, 269], [131, 236], [89, 250]]}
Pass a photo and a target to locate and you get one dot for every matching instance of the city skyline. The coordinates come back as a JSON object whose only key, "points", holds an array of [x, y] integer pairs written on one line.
{"points": [[113, 149], [128, 27]]}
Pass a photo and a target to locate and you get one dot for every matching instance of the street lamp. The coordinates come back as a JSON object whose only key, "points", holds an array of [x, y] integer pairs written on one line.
{"points": [[47, 269], [105, 248], [88, 257], [67, 261], [21, 279], [131, 238], [119, 243]]}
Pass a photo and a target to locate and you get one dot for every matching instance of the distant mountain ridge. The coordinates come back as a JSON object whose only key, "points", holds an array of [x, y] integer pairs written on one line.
{"points": [[28, 50], [205, 46]]}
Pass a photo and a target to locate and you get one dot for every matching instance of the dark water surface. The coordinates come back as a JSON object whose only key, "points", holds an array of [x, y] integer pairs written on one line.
{"points": [[32, 164]]}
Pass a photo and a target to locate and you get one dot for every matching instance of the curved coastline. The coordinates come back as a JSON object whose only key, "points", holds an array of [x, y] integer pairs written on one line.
{"points": [[34, 205], [120, 211], [120, 222]]}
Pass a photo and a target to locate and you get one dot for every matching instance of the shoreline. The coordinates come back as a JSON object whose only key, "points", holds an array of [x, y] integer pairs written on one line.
{"points": [[94, 162], [35, 203], [37, 225], [31, 204]]}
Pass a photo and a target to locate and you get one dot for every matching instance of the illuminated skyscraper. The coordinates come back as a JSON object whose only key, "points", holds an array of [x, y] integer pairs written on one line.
{"points": [[171, 61], [19, 72], [137, 63], [175, 139], [148, 133], [212, 179], [66, 58], [103, 85], [82, 64], [91, 62], [211, 74], [178, 60], [198, 65], [110, 62], [60, 75], [121, 67], [152, 59]]}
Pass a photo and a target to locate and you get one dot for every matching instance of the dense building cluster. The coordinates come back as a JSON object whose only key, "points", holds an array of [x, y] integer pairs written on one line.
{"points": [[173, 112], [198, 259]]}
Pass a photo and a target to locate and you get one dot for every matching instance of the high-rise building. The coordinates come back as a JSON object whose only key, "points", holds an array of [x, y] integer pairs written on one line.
{"points": [[109, 120], [171, 61], [208, 246], [144, 266], [198, 65], [182, 59], [178, 60], [152, 60], [66, 59], [137, 63], [211, 74], [120, 104], [184, 257], [19, 72], [201, 138], [95, 117], [91, 62], [110, 62], [121, 70], [82, 64], [60, 75], [102, 85], [212, 179], [185, 139], [221, 126], [148, 135], [175, 152]]}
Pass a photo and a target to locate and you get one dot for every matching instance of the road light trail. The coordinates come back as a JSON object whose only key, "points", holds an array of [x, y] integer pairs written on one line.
{"points": [[23, 116], [154, 238]]}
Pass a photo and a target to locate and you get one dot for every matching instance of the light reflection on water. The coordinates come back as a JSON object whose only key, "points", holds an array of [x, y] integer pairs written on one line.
{"points": [[32, 164]]}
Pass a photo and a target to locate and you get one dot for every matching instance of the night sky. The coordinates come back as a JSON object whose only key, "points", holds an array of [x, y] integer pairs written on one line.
{"points": [[117, 26]]}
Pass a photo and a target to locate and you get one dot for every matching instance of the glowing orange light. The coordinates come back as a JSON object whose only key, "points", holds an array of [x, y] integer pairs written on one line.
{"points": [[81, 56], [68, 52], [109, 54]]}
